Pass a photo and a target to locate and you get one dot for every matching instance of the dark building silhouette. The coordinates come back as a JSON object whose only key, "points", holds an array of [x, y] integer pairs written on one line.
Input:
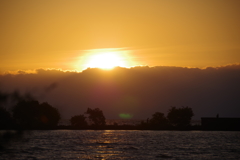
{"points": [[216, 123]]}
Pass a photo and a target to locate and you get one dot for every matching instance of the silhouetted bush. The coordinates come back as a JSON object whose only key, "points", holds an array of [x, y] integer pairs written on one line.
{"points": [[32, 115], [49, 115], [158, 120], [6, 121], [78, 121], [3, 97], [180, 117], [96, 117]]}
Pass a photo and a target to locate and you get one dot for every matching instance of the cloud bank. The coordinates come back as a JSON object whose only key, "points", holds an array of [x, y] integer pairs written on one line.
{"points": [[138, 91]]}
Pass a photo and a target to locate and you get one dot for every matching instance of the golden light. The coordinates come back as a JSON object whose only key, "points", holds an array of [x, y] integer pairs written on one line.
{"points": [[105, 59]]}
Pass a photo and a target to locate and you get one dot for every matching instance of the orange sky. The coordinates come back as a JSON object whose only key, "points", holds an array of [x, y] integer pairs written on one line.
{"points": [[58, 33]]}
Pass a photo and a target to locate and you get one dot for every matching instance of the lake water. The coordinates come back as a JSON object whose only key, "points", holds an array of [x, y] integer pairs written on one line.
{"points": [[124, 144]]}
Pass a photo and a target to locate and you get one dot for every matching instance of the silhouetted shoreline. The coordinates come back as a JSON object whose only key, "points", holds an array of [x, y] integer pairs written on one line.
{"points": [[192, 128], [127, 127], [29, 114]]}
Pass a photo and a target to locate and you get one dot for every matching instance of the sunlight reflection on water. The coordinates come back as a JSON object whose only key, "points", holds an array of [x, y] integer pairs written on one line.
{"points": [[121, 144]]}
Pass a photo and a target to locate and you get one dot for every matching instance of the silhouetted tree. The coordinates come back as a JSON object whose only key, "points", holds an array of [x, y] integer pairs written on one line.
{"points": [[78, 121], [5, 116], [32, 115], [180, 117], [26, 114], [96, 117], [49, 116], [158, 120], [6, 121], [3, 97]]}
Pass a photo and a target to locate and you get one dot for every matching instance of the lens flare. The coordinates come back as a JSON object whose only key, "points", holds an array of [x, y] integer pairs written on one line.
{"points": [[125, 116]]}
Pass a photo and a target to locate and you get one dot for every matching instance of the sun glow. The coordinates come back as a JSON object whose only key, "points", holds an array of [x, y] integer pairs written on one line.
{"points": [[106, 59]]}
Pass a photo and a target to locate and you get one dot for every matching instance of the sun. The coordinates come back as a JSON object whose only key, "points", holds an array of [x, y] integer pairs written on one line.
{"points": [[105, 59]]}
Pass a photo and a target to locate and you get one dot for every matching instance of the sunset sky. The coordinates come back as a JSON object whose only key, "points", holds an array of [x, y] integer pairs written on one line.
{"points": [[192, 48], [67, 34]]}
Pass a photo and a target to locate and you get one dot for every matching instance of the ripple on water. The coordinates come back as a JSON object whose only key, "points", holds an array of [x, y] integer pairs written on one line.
{"points": [[67, 144]]}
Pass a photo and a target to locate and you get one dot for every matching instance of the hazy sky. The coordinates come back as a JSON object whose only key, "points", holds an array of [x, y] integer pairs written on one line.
{"points": [[59, 33]]}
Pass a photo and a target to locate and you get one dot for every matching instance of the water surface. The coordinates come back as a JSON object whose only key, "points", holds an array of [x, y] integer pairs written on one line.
{"points": [[121, 144]]}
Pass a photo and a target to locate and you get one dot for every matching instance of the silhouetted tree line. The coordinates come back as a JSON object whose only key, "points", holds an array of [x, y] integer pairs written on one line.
{"points": [[26, 113], [92, 117], [177, 118]]}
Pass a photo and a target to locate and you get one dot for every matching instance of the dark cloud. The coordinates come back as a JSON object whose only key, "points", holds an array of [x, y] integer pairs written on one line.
{"points": [[138, 91], [51, 87]]}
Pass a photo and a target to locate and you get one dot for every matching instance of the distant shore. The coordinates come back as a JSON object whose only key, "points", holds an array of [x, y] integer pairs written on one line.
{"points": [[132, 127]]}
